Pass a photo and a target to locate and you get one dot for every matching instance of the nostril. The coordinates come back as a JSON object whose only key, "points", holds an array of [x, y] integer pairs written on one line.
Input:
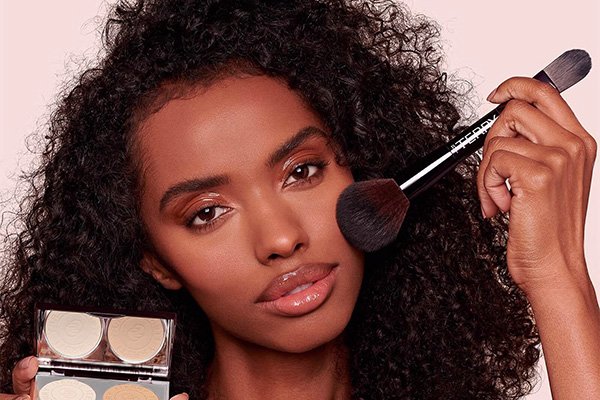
{"points": [[274, 256]]}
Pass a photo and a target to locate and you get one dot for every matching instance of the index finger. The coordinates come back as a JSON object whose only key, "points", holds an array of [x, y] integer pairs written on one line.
{"points": [[542, 96]]}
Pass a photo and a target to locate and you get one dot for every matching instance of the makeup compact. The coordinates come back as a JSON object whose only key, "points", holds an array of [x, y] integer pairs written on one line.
{"points": [[90, 354]]}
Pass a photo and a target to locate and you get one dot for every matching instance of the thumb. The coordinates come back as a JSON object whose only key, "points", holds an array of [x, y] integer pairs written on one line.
{"points": [[23, 375], [182, 396], [14, 397]]}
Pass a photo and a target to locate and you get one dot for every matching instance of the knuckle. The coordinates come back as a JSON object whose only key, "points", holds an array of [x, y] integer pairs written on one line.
{"points": [[495, 143], [514, 108], [489, 182], [592, 146], [498, 157], [541, 178], [558, 158], [576, 148], [513, 83], [545, 91]]}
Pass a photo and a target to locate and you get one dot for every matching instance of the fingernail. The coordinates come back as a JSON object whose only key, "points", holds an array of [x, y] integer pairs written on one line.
{"points": [[491, 95], [24, 363], [483, 213], [24, 397]]}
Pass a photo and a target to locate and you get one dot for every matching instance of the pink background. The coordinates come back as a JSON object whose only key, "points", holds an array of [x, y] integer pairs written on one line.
{"points": [[43, 44]]}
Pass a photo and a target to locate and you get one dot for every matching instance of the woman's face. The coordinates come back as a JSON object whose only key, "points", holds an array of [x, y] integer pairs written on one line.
{"points": [[240, 188]]}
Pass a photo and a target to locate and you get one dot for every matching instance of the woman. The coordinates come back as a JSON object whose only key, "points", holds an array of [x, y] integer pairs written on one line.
{"points": [[197, 169]]}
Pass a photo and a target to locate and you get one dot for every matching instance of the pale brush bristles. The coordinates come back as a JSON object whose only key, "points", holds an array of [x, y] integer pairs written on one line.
{"points": [[569, 68]]}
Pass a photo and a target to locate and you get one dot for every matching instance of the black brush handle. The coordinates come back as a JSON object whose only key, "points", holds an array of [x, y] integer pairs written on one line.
{"points": [[427, 171]]}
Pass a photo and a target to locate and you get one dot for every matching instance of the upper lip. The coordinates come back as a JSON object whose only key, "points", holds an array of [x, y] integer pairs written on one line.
{"points": [[284, 283]]}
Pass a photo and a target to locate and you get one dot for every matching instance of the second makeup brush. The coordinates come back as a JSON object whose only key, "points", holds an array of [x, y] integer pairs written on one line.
{"points": [[370, 213]]}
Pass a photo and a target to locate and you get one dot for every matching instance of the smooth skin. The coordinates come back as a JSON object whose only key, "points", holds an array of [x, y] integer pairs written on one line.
{"points": [[271, 211], [537, 144]]}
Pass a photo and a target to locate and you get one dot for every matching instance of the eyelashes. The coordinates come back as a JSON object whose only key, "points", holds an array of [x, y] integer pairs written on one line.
{"points": [[205, 218], [303, 174]]}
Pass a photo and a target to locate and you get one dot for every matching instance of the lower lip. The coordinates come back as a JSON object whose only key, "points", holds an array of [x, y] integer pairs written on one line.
{"points": [[305, 301]]}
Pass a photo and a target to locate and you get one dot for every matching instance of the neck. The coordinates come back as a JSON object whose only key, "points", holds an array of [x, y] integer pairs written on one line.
{"points": [[241, 370]]}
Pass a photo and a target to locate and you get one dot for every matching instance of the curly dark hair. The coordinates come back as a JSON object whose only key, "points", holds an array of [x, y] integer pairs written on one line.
{"points": [[438, 315]]}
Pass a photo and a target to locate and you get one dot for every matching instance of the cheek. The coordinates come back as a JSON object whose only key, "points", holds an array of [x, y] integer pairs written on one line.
{"points": [[221, 281], [225, 276], [322, 211], [209, 269]]}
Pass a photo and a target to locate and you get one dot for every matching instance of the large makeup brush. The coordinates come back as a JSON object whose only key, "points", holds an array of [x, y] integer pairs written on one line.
{"points": [[370, 213]]}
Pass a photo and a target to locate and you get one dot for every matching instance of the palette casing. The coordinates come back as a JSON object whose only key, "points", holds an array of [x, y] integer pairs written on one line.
{"points": [[92, 354]]}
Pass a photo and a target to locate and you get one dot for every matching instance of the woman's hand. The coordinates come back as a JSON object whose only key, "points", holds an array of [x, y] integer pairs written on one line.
{"points": [[22, 377], [23, 381], [538, 145], [547, 157]]}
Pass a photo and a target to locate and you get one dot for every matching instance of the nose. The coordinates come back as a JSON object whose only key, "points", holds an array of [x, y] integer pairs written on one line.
{"points": [[277, 230]]}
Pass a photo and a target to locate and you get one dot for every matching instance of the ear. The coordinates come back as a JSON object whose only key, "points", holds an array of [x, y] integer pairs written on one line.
{"points": [[163, 275]]}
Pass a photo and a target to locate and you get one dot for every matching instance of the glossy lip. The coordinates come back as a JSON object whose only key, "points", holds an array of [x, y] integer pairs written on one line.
{"points": [[275, 297]]}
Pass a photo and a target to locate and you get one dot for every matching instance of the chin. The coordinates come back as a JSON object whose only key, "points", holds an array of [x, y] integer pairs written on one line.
{"points": [[310, 332], [299, 345]]}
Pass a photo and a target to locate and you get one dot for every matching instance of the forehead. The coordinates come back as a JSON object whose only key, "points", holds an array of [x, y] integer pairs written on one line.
{"points": [[234, 120]]}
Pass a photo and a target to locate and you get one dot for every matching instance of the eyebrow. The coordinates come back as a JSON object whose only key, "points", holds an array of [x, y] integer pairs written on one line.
{"points": [[292, 143], [200, 184], [192, 185]]}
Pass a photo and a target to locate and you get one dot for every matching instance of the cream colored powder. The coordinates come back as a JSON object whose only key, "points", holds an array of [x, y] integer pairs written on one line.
{"points": [[129, 392], [72, 334], [136, 340], [67, 389]]}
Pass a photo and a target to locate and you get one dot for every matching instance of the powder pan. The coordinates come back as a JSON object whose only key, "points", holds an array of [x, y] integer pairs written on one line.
{"points": [[107, 347], [72, 335], [136, 340], [103, 389]]}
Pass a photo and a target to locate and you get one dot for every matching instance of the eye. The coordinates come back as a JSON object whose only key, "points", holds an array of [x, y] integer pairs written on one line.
{"points": [[305, 172], [207, 216]]}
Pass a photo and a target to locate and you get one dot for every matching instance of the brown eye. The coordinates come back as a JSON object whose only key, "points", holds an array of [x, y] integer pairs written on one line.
{"points": [[207, 215], [302, 172]]}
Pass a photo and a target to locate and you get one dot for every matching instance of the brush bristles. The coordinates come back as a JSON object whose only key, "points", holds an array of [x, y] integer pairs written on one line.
{"points": [[569, 68], [370, 213]]}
